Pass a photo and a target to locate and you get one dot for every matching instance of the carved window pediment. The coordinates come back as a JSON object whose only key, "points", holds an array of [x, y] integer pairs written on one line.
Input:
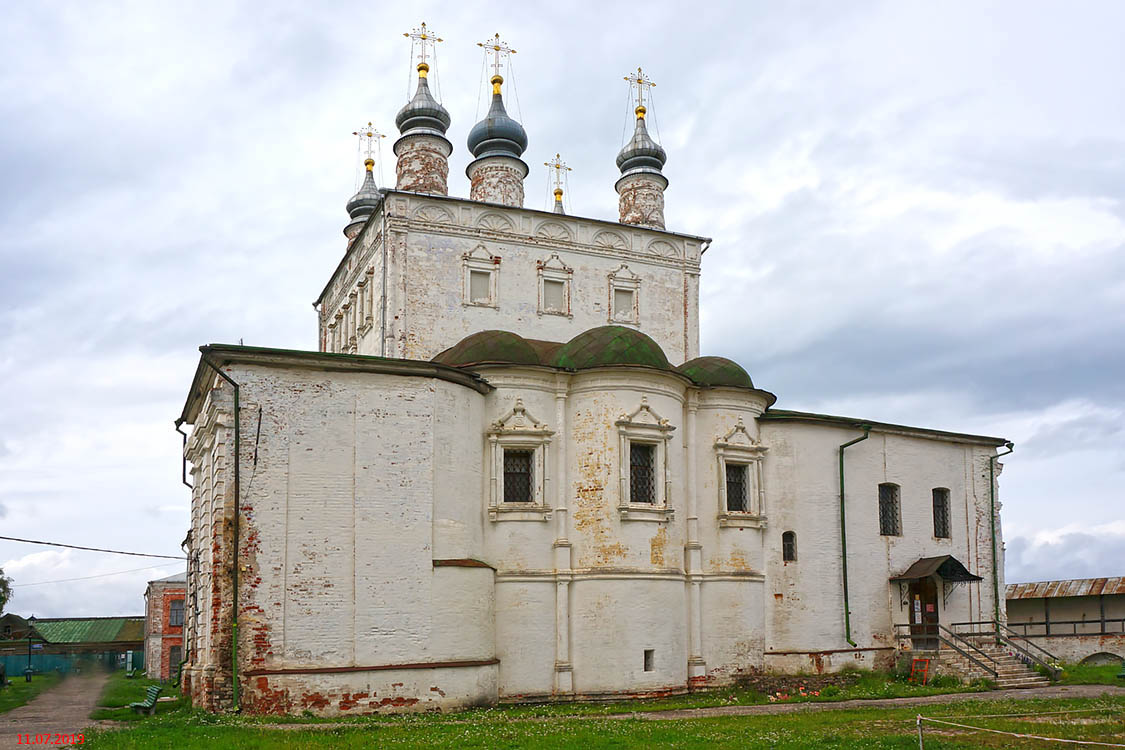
{"points": [[739, 460], [520, 435], [643, 442]]}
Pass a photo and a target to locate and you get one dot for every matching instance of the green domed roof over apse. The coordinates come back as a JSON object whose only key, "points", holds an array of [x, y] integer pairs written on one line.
{"points": [[610, 345], [716, 371]]}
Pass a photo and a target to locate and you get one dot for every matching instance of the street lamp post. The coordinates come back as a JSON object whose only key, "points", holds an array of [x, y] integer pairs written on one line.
{"points": [[31, 626]]}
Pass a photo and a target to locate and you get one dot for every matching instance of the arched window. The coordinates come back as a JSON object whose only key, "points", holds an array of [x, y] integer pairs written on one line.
{"points": [[890, 517], [941, 513], [789, 546]]}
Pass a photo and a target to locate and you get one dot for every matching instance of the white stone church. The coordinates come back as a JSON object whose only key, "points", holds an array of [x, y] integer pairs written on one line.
{"points": [[507, 474]]}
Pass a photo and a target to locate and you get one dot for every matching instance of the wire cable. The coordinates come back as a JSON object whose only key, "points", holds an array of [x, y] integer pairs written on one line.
{"points": [[87, 578], [89, 549]]}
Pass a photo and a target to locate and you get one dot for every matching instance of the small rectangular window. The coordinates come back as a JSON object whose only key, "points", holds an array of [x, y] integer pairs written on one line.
{"points": [[480, 287], [736, 488], [554, 296], [642, 473], [176, 613], [890, 519], [941, 513], [623, 304], [650, 659], [517, 476]]}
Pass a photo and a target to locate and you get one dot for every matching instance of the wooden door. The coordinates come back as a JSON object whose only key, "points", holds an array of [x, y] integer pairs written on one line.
{"points": [[924, 614]]}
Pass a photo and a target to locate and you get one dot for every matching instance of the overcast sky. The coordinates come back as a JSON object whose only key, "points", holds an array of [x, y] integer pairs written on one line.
{"points": [[918, 212]]}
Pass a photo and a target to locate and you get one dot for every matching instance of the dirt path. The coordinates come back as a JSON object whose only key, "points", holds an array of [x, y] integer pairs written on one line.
{"points": [[64, 709]]}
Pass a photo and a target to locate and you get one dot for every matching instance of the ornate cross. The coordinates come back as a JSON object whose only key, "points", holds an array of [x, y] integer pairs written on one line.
{"points": [[559, 170], [638, 82], [368, 140], [425, 38], [499, 51]]}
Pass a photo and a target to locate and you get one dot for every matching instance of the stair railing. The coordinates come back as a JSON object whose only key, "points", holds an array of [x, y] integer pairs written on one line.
{"points": [[944, 635], [1043, 658]]}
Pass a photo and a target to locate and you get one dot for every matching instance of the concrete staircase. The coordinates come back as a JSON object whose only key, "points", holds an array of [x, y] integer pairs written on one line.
{"points": [[1012, 671]]}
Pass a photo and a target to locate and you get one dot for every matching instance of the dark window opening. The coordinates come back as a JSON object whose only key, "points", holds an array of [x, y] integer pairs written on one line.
{"points": [[890, 519], [736, 488], [176, 613], [517, 476], [650, 655], [642, 473], [789, 546], [175, 656], [941, 513]]}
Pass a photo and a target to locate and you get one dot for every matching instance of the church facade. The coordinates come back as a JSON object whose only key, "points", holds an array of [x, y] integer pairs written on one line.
{"points": [[507, 474]]}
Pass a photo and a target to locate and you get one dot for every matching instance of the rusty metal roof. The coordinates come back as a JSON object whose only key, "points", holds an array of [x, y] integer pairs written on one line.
{"points": [[1072, 587]]}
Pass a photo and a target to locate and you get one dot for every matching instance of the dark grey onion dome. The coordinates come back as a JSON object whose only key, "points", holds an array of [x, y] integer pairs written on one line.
{"points": [[423, 113], [641, 153], [367, 199], [497, 134]]}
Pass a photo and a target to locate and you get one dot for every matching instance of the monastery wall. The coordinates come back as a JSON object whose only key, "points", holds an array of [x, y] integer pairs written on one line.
{"points": [[804, 598], [352, 484]]}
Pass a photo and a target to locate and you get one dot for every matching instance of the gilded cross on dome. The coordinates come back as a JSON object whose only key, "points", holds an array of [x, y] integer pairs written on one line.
{"points": [[558, 169], [368, 140], [638, 83], [499, 50], [424, 40]]}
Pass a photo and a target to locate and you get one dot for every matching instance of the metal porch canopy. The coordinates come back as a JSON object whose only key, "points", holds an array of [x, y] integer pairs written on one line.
{"points": [[946, 566]]}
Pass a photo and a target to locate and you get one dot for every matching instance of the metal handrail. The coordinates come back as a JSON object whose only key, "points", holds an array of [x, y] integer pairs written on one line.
{"points": [[1102, 626], [934, 630], [1046, 664]]}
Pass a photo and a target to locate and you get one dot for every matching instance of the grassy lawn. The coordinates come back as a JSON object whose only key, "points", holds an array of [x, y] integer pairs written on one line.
{"points": [[1101, 720], [1089, 674], [120, 691], [20, 691]]}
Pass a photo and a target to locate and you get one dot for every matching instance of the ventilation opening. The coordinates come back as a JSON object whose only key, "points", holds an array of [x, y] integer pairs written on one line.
{"points": [[649, 658]]}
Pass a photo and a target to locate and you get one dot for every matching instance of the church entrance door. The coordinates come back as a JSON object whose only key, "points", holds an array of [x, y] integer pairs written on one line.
{"points": [[924, 614]]}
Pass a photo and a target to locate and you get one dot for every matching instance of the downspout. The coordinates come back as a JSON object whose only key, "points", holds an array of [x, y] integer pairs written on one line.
{"points": [[992, 527], [844, 535], [237, 511], [183, 456]]}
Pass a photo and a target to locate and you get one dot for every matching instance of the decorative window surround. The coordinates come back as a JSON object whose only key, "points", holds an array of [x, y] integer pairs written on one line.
{"points": [[644, 425], [482, 261], [518, 430], [555, 270], [624, 280], [738, 447]]}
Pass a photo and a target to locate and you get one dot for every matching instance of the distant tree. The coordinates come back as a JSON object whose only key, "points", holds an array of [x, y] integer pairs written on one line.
{"points": [[5, 590]]}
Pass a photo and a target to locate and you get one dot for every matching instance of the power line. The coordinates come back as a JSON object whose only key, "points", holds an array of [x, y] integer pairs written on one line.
{"points": [[87, 578], [90, 549]]}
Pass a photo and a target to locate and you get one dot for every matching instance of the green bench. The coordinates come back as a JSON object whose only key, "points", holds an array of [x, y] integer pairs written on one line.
{"points": [[148, 705]]}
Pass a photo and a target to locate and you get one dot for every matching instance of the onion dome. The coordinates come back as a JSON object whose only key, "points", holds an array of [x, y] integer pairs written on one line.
{"points": [[489, 347], [364, 202], [608, 346], [641, 154], [712, 371], [423, 114], [497, 134]]}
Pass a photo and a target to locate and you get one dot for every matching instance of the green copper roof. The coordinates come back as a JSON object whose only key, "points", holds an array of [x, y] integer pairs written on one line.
{"points": [[489, 346], [716, 371], [610, 345], [91, 629]]}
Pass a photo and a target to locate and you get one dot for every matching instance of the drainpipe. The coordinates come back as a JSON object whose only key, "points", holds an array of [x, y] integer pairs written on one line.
{"points": [[183, 456], [992, 527], [237, 511], [844, 535]]}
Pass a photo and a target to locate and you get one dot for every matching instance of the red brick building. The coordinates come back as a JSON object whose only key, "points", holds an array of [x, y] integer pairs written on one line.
{"points": [[164, 626]]}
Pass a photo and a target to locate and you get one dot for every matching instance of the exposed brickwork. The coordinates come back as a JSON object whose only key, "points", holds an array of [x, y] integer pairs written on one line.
{"points": [[641, 200], [423, 164], [497, 180]]}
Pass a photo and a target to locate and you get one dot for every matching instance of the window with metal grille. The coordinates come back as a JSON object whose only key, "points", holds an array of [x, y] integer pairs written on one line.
{"points": [[890, 523], [736, 488], [941, 513], [176, 613], [642, 473], [789, 546], [517, 476]]}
